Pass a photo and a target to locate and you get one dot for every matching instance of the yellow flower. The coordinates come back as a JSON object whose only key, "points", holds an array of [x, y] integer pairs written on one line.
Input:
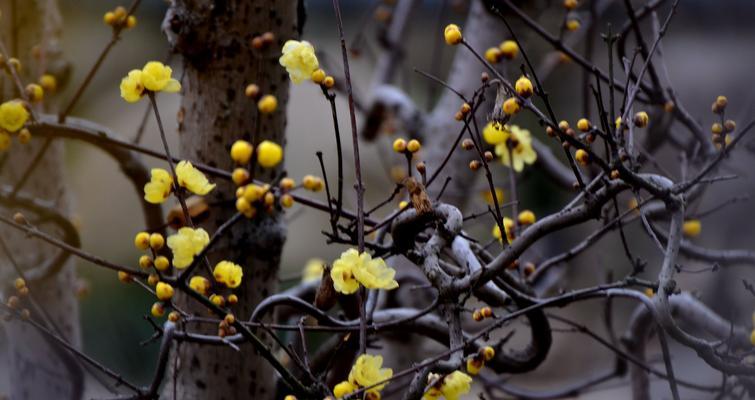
{"points": [[374, 273], [522, 152], [456, 384], [269, 154], [159, 187], [193, 179], [156, 77], [526, 217], [13, 115], [495, 133], [367, 371], [299, 59], [228, 273], [186, 244], [200, 284], [132, 88], [692, 228], [344, 388], [508, 226], [353, 268], [342, 272], [313, 270]]}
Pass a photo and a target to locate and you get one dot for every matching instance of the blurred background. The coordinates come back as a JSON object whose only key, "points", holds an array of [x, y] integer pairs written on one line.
{"points": [[708, 51]]}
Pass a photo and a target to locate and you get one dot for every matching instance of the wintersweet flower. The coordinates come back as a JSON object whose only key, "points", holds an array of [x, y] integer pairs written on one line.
{"points": [[521, 151], [132, 88], [200, 284], [193, 179], [375, 273], [344, 388], [367, 371], [159, 187], [495, 133], [455, 385], [353, 269], [313, 270], [342, 273], [156, 77], [228, 273], [13, 115], [299, 59], [186, 244]]}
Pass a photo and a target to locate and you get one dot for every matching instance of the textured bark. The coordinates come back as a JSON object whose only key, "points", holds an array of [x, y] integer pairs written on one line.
{"points": [[214, 39], [37, 369]]}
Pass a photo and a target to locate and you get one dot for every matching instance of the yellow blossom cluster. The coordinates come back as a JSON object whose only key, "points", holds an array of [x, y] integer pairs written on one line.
{"points": [[186, 244], [450, 387], [366, 372], [353, 269], [228, 273], [511, 143], [154, 77], [160, 185]]}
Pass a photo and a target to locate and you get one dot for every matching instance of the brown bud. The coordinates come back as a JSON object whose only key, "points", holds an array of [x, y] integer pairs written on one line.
{"points": [[529, 268], [565, 144], [474, 165], [268, 38], [590, 138], [20, 218], [458, 116], [465, 108], [550, 132], [730, 126], [25, 314], [575, 185], [489, 156], [467, 144], [484, 77], [13, 301], [615, 174], [421, 168], [252, 91], [258, 43], [570, 132]]}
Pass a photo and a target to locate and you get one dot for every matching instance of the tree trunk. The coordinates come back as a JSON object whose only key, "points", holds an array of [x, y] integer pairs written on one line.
{"points": [[36, 368], [214, 38]]}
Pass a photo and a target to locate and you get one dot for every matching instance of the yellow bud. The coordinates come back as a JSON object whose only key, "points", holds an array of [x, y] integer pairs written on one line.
{"points": [[524, 87], [692, 228], [488, 353], [242, 205], [717, 128], [156, 241], [582, 157], [217, 300], [152, 279], [399, 145], [158, 310], [48, 83], [124, 277], [35, 92], [174, 316], [287, 184], [413, 146], [232, 299], [109, 18], [526, 217], [267, 104], [641, 119], [287, 201], [141, 241], [130, 21], [329, 82], [452, 34], [573, 25], [163, 291], [145, 261], [252, 91], [19, 283], [570, 4], [240, 176], [583, 125], [493, 55], [269, 154], [511, 106], [509, 49], [162, 263], [318, 76], [241, 152], [474, 366]]}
